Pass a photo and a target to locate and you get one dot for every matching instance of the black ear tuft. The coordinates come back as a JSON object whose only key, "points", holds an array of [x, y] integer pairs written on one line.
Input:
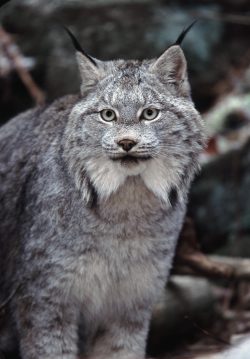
{"points": [[184, 33], [77, 46]]}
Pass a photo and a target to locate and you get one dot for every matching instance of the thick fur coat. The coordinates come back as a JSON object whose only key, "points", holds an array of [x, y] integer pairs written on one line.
{"points": [[93, 195]]}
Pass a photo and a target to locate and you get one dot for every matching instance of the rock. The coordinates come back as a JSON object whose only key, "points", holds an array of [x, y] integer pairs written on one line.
{"points": [[187, 300], [220, 206], [229, 114], [239, 350]]}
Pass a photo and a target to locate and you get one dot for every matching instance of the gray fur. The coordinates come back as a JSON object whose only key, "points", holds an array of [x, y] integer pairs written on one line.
{"points": [[87, 238]]}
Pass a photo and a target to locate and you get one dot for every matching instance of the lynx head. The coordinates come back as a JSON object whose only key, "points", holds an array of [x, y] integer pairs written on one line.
{"points": [[134, 118]]}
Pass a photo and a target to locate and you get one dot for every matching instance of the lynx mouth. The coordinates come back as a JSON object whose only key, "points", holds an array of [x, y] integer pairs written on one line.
{"points": [[129, 159]]}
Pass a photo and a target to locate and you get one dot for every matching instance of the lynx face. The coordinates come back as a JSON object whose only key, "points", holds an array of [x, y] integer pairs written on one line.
{"points": [[137, 119]]}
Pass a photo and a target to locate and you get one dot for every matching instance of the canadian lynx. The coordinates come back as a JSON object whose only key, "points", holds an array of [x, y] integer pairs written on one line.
{"points": [[93, 194]]}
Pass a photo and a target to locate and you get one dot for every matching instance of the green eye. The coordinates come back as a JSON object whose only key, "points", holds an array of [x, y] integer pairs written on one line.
{"points": [[108, 115], [149, 114]]}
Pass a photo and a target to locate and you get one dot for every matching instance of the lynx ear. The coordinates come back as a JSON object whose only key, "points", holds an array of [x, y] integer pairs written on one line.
{"points": [[90, 69], [171, 66], [90, 72]]}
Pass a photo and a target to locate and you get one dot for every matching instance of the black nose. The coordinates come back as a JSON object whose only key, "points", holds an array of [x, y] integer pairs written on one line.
{"points": [[127, 144]]}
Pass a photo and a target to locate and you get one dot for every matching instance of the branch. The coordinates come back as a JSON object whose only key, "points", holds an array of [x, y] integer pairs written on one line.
{"points": [[190, 260], [14, 55], [212, 266], [6, 301]]}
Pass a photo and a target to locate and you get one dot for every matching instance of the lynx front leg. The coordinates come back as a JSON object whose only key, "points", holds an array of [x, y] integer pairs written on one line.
{"points": [[47, 328], [126, 340]]}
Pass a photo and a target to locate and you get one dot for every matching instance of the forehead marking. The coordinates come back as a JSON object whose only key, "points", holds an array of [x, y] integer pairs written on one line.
{"points": [[116, 95]]}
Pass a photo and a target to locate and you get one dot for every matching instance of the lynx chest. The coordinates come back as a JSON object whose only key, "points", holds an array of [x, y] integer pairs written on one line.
{"points": [[119, 274], [125, 253]]}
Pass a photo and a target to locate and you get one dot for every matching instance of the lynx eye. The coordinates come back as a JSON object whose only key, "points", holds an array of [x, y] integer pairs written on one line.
{"points": [[108, 115], [149, 114]]}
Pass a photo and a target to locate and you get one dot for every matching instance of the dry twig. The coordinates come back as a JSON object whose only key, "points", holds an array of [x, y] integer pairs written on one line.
{"points": [[190, 260], [8, 299], [13, 54], [214, 266]]}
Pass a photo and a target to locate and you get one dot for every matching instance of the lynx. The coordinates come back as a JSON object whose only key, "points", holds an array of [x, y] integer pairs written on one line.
{"points": [[93, 195]]}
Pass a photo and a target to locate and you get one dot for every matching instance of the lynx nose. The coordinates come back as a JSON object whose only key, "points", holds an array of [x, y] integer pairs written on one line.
{"points": [[127, 144]]}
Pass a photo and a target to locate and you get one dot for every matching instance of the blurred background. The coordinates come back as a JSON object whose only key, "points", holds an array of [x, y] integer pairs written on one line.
{"points": [[37, 65]]}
